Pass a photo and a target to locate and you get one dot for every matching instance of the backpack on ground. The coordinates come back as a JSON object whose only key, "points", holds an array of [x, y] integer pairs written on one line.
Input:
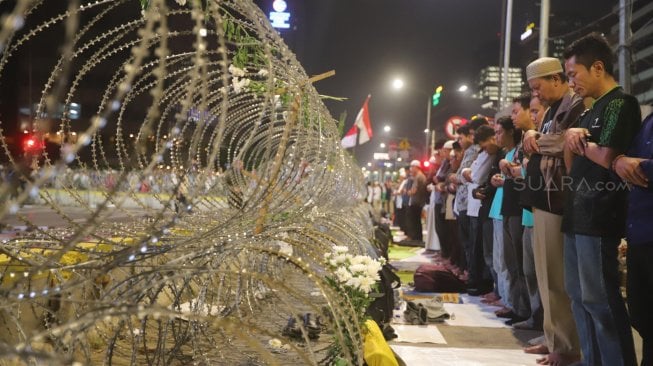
{"points": [[436, 278]]}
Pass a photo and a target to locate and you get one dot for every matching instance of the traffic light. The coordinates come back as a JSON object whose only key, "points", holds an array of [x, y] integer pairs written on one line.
{"points": [[436, 96], [31, 144]]}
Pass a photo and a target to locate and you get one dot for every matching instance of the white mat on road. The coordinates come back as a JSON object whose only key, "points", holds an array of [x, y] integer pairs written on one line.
{"points": [[471, 315], [418, 334], [441, 356]]}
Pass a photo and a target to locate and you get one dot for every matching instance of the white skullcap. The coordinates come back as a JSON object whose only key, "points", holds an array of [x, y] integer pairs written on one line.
{"points": [[543, 66]]}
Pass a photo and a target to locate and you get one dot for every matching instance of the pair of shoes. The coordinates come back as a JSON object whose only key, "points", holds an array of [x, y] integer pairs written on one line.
{"points": [[416, 313], [311, 325], [435, 309], [538, 349]]}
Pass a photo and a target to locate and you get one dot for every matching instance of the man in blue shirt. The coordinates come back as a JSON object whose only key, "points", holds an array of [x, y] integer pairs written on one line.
{"points": [[636, 168]]}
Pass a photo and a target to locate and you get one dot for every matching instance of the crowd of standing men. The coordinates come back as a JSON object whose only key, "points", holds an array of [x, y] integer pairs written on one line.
{"points": [[531, 211]]}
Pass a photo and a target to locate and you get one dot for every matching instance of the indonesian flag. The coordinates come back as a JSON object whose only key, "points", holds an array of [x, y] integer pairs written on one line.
{"points": [[350, 138], [363, 123]]}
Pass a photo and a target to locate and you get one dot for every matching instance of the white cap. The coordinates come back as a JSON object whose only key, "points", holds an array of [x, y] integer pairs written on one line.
{"points": [[543, 66], [415, 163]]}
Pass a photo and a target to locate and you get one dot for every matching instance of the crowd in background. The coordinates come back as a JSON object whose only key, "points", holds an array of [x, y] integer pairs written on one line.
{"points": [[530, 210]]}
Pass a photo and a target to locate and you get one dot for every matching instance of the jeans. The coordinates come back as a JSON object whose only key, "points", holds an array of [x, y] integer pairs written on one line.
{"points": [[513, 232], [592, 282], [499, 263]]}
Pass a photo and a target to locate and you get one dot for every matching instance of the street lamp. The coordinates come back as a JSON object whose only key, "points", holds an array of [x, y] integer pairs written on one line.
{"points": [[387, 128], [397, 84], [382, 145], [463, 88]]}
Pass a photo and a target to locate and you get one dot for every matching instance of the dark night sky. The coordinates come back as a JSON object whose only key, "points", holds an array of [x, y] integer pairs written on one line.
{"points": [[426, 42]]}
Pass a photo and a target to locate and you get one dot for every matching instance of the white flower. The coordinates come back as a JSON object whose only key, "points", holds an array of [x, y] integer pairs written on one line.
{"points": [[181, 2], [357, 268], [357, 260], [274, 342], [239, 84], [343, 275], [277, 102], [285, 248], [235, 71], [366, 283], [373, 269], [341, 258], [262, 72], [340, 249], [354, 282], [327, 256]]}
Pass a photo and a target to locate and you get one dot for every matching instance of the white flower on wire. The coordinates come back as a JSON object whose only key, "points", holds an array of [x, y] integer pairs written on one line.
{"points": [[365, 283], [343, 275], [341, 258], [262, 72], [239, 84], [236, 71], [354, 282], [359, 259], [372, 269], [358, 268]]}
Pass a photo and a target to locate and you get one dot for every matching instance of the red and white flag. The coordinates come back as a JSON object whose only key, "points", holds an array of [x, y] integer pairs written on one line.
{"points": [[363, 123], [350, 138]]}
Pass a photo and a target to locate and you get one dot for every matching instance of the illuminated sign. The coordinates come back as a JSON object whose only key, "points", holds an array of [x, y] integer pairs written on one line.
{"points": [[381, 156], [279, 17], [528, 32]]}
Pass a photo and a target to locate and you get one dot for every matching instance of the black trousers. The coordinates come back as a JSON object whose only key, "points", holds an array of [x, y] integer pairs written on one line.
{"points": [[640, 295], [414, 222]]}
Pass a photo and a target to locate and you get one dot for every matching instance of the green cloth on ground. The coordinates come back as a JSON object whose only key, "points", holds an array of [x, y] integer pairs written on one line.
{"points": [[405, 276], [397, 252]]}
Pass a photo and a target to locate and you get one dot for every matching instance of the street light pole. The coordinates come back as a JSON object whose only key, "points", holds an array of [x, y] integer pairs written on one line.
{"points": [[428, 125]]}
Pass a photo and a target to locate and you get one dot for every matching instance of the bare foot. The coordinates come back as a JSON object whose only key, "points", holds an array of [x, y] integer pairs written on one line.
{"points": [[538, 349], [557, 359]]}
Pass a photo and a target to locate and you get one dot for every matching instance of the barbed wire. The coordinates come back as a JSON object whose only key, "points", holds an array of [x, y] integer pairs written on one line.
{"points": [[196, 203]]}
